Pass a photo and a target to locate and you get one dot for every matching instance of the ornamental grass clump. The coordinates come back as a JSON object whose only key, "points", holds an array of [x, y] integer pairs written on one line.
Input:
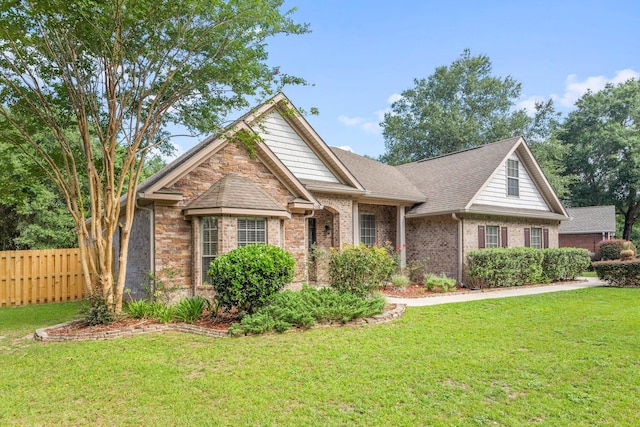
{"points": [[247, 277], [399, 281], [431, 282], [360, 269]]}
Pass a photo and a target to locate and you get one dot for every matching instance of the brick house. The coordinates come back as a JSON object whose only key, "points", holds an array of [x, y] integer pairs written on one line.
{"points": [[587, 227], [295, 191]]}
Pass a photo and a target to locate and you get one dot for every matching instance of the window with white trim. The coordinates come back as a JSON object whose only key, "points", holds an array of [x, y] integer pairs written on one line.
{"points": [[513, 178], [536, 238], [209, 243], [368, 229], [491, 236], [251, 231]]}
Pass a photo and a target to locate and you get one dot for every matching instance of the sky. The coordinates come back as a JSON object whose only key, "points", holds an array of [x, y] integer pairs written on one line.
{"points": [[361, 54]]}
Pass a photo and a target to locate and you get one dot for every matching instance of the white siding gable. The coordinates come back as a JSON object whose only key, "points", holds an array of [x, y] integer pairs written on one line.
{"points": [[291, 149], [495, 194]]}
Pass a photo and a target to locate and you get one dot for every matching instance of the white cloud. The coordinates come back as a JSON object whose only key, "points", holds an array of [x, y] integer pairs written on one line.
{"points": [[529, 105], [345, 148], [351, 121], [178, 151], [575, 88], [370, 125], [393, 98]]}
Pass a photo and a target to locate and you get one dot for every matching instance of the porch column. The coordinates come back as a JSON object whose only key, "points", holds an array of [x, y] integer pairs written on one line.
{"points": [[401, 237], [356, 223]]}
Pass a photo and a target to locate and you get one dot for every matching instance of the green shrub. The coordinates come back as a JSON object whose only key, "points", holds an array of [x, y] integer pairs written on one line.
{"points": [[95, 311], [190, 309], [564, 263], [415, 270], [360, 269], [431, 281], [399, 281], [610, 249], [247, 277], [619, 273], [159, 287], [505, 267], [305, 308]]}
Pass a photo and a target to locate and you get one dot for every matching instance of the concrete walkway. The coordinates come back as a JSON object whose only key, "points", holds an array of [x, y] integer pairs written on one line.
{"points": [[585, 282]]}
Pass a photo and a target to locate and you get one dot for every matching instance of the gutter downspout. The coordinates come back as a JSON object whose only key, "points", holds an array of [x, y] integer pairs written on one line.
{"points": [[460, 247], [152, 240]]}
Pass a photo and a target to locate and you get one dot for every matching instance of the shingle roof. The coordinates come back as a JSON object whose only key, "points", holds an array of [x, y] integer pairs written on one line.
{"points": [[592, 219], [451, 181], [234, 191], [379, 179]]}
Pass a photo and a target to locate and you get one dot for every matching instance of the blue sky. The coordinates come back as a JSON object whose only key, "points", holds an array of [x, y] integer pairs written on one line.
{"points": [[361, 54]]}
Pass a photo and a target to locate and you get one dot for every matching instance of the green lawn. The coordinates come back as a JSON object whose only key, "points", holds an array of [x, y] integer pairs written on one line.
{"points": [[589, 274], [557, 359]]}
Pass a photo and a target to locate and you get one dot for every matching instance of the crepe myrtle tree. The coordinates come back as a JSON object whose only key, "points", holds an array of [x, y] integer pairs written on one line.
{"points": [[91, 78]]}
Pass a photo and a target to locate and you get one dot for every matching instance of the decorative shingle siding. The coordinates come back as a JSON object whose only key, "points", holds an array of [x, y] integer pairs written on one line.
{"points": [[291, 149], [495, 194], [433, 241]]}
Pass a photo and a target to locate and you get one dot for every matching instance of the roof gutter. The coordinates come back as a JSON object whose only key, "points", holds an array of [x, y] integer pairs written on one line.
{"points": [[320, 188]]}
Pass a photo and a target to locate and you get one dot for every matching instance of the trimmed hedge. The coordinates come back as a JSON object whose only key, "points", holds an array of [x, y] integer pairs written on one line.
{"points": [[504, 267], [623, 274], [517, 266], [247, 277], [564, 263]]}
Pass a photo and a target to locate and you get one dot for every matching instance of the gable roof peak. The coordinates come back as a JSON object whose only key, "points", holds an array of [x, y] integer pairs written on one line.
{"points": [[508, 141]]}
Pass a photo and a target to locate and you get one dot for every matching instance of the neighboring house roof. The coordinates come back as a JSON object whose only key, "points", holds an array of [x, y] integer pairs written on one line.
{"points": [[452, 182], [591, 219], [379, 180], [233, 194]]}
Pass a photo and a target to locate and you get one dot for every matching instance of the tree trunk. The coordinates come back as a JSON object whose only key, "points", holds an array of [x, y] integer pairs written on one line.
{"points": [[629, 219]]}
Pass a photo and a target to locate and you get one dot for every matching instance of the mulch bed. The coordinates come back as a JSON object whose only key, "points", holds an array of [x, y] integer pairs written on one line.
{"points": [[222, 322], [420, 291]]}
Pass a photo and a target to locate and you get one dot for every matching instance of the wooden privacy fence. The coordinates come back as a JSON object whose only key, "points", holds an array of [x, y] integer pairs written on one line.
{"points": [[36, 277]]}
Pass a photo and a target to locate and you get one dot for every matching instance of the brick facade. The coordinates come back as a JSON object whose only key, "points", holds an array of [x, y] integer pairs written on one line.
{"points": [[430, 240], [515, 230], [342, 222], [386, 220], [176, 238], [588, 241], [433, 241]]}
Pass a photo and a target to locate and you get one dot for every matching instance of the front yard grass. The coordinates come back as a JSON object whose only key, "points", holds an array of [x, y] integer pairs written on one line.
{"points": [[563, 358]]}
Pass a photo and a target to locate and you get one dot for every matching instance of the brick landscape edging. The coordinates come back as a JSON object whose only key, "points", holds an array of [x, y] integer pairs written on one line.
{"points": [[129, 331]]}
